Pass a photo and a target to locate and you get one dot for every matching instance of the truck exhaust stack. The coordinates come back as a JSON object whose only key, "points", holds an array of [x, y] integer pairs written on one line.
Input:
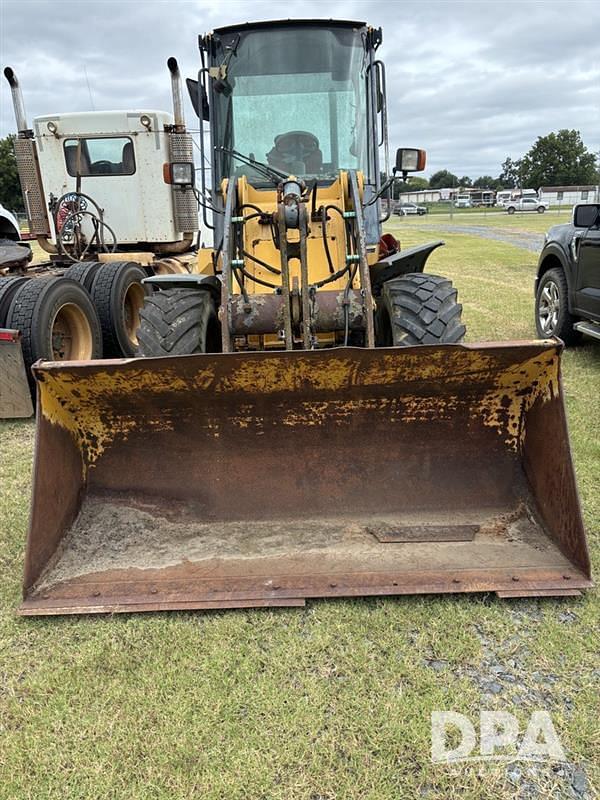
{"points": [[17, 98]]}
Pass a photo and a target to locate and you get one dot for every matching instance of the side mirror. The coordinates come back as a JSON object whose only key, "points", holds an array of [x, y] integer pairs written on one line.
{"points": [[198, 97], [409, 159], [586, 215]]}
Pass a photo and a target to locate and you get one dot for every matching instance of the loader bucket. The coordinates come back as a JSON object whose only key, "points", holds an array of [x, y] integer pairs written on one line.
{"points": [[263, 479]]}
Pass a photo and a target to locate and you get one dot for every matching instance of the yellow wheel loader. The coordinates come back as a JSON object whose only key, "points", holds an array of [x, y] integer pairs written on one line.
{"points": [[303, 419]]}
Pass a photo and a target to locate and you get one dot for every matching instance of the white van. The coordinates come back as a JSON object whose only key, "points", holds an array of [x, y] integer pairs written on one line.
{"points": [[463, 201]]}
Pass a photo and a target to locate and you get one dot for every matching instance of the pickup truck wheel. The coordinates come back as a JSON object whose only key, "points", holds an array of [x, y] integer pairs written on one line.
{"points": [[511, 210], [552, 317], [541, 210]]}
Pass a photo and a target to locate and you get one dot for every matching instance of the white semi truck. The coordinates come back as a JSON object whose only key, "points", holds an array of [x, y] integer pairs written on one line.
{"points": [[110, 199]]}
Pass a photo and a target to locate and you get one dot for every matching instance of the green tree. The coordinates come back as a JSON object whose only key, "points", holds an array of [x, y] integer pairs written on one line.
{"points": [[509, 177], [412, 185], [443, 180], [559, 159], [10, 188], [486, 182], [465, 182]]}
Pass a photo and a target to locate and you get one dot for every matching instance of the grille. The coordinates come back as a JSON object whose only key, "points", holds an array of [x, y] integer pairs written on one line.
{"points": [[184, 201], [31, 186]]}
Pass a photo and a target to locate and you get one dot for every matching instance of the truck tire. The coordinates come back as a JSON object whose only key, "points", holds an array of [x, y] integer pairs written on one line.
{"points": [[541, 210], [57, 322], [84, 273], [511, 209], [178, 322], [118, 294], [8, 287], [418, 308], [552, 316]]}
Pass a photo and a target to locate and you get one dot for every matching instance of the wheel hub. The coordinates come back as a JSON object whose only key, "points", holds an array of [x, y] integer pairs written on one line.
{"points": [[549, 307]]}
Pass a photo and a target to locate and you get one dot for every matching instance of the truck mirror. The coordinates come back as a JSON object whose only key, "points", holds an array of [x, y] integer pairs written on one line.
{"points": [[586, 215], [409, 159], [198, 97]]}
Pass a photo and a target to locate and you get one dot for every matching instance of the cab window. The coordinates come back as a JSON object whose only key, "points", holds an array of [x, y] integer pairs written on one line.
{"points": [[102, 156]]}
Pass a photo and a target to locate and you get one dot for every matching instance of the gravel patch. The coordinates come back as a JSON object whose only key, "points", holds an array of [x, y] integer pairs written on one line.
{"points": [[526, 241]]}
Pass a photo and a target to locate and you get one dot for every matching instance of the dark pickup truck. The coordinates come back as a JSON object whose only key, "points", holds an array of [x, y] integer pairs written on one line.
{"points": [[567, 285]]}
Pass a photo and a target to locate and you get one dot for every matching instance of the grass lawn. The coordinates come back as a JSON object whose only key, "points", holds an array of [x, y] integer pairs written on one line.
{"points": [[328, 702]]}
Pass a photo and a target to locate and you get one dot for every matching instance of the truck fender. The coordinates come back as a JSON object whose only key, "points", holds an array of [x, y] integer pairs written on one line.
{"points": [[553, 252], [208, 283]]}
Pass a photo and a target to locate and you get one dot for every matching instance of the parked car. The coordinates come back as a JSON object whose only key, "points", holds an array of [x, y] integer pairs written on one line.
{"points": [[463, 201], [526, 204], [567, 285], [403, 209]]}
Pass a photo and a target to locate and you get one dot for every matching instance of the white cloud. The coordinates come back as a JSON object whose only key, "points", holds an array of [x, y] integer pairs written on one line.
{"points": [[470, 82]]}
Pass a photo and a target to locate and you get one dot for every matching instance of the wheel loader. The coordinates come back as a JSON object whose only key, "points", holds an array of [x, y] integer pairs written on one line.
{"points": [[302, 418]]}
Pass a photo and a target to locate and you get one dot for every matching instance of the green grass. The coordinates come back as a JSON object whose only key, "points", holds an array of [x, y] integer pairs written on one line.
{"points": [[328, 702]]}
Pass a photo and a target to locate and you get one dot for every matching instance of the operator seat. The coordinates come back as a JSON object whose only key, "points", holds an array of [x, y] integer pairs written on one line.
{"points": [[71, 159], [296, 152], [128, 160]]}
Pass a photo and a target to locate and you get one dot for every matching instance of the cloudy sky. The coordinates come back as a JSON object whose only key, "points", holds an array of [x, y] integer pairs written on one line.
{"points": [[471, 82]]}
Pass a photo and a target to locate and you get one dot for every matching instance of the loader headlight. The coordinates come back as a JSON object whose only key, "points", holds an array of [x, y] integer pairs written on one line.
{"points": [[179, 173]]}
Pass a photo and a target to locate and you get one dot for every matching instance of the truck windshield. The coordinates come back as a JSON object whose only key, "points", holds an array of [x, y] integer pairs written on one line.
{"points": [[294, 98]]}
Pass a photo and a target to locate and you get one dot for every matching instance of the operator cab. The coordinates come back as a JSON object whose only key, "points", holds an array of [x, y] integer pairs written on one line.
{"points": [[294, 96]]}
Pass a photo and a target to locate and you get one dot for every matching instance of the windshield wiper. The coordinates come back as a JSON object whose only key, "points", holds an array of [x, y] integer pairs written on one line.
{"points": [[265, 170]]}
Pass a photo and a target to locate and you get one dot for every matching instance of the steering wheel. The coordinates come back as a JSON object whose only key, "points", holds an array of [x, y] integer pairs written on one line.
{"points": [[101, 168]]}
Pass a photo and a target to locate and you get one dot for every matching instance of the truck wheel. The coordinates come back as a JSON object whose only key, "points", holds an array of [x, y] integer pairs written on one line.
{"points": [[8, 288], [84, 273], [118, 294], [552, 317], [57, 321], [541, 210], [178, 322], [419, 309], [511, 210]]}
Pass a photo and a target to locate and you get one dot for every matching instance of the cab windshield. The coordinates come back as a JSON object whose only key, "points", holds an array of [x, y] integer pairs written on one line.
{"points": [[295, 99]]}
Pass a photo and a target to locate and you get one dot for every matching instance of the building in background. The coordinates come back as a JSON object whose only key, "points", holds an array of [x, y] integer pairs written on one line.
{"points": [[569, 195]]}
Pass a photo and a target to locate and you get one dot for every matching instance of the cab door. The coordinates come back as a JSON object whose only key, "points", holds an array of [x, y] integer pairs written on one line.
{"points": [[587, 286]]}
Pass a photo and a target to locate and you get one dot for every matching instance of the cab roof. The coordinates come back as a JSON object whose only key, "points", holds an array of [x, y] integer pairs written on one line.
{"points": [[289, 23]]}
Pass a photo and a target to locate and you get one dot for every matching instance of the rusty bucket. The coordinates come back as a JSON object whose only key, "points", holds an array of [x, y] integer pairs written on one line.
{"points": [[263, 479]]}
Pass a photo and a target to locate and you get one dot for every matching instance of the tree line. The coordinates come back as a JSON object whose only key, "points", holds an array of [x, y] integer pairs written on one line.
{"points": [[558, 159]]}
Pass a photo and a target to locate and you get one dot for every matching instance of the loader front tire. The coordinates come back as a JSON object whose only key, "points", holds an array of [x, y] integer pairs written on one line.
{"points": [[178, 322], [418, 308]]}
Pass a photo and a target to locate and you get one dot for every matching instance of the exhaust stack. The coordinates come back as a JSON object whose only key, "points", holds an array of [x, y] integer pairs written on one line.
{"points": [[17, 98], [177, 92]]}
